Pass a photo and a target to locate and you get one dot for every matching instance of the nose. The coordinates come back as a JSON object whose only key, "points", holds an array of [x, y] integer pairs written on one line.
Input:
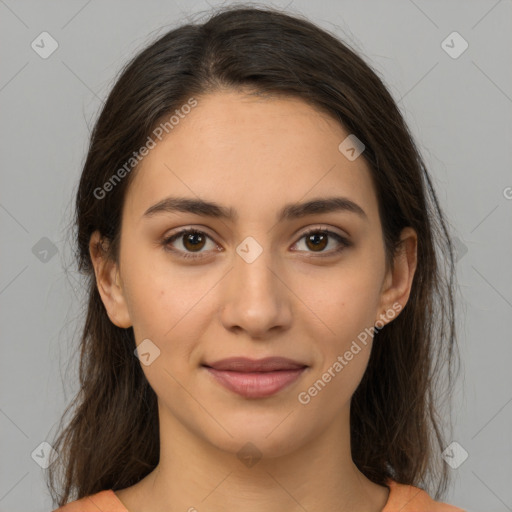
{"points": [[255, 297]]}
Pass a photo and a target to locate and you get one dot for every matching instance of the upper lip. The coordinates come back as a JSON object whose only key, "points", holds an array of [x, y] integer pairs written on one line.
{"points": [[244, 364]]}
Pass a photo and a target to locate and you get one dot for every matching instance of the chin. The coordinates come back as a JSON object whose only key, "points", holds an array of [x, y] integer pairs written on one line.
{"points": [[259, 437]]}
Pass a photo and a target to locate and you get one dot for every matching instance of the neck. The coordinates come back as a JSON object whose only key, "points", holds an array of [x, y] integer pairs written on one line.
{"points": [[196, 476]]}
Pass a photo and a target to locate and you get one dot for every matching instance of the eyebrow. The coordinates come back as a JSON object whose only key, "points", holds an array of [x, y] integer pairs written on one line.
{"points": [[288, 212]]}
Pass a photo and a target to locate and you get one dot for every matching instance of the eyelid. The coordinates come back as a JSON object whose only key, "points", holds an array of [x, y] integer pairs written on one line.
{"points": [[343, 240], [167, 239], [323, 228]]}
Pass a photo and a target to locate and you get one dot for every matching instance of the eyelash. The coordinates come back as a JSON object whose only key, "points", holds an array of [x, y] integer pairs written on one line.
{"points": [[186, 255]]}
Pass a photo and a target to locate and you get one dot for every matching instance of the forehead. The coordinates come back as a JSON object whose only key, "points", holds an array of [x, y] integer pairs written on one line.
{"points": [[253, 154]]}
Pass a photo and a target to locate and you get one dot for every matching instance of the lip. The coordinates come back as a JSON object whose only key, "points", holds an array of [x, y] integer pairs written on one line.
{"points": [[256, 384], [256, 378], [245, 364]]}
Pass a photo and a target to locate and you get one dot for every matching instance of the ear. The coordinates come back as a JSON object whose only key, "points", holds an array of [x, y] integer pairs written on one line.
{"points": [[398, 281], [109, 282]]}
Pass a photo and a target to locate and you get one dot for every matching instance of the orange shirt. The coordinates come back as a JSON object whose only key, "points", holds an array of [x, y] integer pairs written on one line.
{"points": [[402, 498]]}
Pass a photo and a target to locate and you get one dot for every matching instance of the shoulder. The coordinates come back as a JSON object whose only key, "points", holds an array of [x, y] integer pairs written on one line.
{"points": [[103, 500], [408, 498]]}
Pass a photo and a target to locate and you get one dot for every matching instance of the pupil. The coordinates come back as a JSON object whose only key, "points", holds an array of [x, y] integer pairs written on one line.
{"points": [[318, 243], [193, 239]]}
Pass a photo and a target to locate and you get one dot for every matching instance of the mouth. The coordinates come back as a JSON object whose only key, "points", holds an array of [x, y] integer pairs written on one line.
{"points": [[244, 364], [255, 378]]}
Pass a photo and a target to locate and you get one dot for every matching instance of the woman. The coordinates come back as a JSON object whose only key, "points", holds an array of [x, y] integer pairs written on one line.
{"points": [[271, 279]]}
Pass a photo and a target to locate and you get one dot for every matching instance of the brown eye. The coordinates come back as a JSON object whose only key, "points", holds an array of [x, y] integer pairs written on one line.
{"points": [[192, 241], [316, 240]]}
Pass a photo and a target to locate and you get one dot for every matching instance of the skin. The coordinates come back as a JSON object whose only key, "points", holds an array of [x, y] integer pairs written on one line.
{"points": [[254, 154]]}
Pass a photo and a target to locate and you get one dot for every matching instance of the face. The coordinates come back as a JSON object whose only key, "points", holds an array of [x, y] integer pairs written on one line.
{"points": [[258, 284]]}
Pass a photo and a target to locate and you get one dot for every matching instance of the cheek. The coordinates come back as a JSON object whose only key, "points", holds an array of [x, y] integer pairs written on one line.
{"points": [[173, 310], [159, 294], [343, 342], [170, 313], [342, 313], [341, 303]]}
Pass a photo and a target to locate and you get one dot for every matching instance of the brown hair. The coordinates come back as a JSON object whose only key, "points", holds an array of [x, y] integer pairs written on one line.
{"points": [[112, 438]]}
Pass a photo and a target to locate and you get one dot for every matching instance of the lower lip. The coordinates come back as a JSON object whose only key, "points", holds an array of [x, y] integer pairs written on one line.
{"points": [[256, 384]]}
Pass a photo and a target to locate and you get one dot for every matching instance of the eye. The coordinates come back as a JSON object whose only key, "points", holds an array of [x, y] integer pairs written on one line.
{"points": [[194, 240], [318, 239], [191, 239]]}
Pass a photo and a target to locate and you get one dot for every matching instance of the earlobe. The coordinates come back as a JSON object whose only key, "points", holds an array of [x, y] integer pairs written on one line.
{"points": [[398, 282], [109, 282]]}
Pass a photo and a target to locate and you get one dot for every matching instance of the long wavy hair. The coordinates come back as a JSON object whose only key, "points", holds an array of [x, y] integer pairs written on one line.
{"points": [[111, 440]]}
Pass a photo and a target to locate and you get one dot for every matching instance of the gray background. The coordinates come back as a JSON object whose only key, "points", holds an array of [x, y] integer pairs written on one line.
{"points": [[459, 110]]}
